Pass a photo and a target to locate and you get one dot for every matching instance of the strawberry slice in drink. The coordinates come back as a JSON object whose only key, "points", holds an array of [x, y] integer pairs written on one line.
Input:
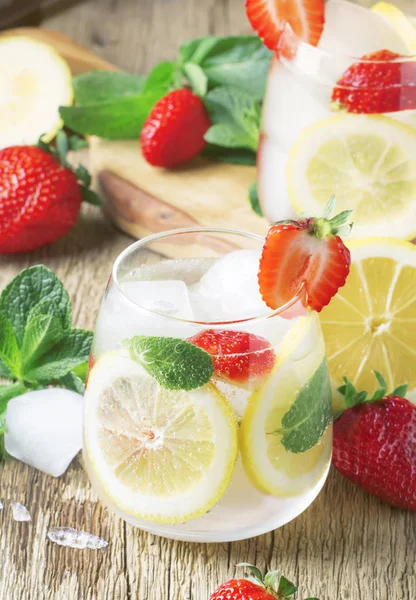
{"points": [[305, 258], [238, 356], [267, 17]]}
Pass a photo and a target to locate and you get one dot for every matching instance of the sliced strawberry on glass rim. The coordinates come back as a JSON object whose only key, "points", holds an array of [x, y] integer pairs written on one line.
{"points": [[268, 17], [238, 356], [305, 258]]}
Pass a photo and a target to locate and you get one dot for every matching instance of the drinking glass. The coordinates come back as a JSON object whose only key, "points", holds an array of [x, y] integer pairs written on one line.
{"points": [[243, 453], [320, 137]]}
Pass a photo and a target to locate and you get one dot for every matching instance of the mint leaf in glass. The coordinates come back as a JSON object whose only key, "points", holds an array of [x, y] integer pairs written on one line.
{"points": [[197, 78], [101, 86], [32, 287], [72, 382], [235, 117], [9, 348], [306, 421], [176, 364], [42, 333]]}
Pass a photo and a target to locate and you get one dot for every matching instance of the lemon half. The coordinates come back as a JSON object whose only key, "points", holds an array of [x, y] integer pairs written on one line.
{"points": [[160, 455], [368, 162], [398, 20], [35, 81], [370, 325]]}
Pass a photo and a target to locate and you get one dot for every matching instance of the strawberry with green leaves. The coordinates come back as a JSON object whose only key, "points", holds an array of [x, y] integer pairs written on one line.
{"points": [[306, 258], [40, 195], [272, 586], [375, 443]]}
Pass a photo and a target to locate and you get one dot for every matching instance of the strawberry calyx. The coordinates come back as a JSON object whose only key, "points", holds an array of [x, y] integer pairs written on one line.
{"points": [[63, 144], [354, 398], [273, 582], [326, 226]]}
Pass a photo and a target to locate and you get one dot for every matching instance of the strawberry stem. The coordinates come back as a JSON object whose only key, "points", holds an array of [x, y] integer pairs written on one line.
{"points": [[327, 226], [353, 398]]}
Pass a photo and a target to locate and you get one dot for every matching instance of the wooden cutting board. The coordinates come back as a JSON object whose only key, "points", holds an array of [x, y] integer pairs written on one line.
{"points": [[142, 199]]}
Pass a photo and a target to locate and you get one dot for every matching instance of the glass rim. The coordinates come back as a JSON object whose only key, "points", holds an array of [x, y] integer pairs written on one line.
{"points": [[405, 58], [145, 241]]}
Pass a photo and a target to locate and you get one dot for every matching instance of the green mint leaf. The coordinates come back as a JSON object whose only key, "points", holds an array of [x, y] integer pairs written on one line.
{"points": [[81, 371], [95, 87], [232, 156], [9, 348], [50, 307], [176, 364], [253, 196], [71, 351], [235, 117], [5, 372], [72, 382], [7, 392], [77, 143], [308, 417], [164, 76], [42, 333], [119, 118], [197, 78], [286, 589], [32, 287], [242, 62]]}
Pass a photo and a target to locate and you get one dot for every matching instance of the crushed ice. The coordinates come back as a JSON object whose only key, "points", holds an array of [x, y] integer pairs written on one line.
{"points": [[66, 536], [20, 512]]}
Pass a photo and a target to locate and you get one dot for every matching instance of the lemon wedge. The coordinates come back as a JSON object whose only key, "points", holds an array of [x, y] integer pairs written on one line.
{"points": [[160, 455], [399, 22], [368, 162], [286, 431], [370, 325], [35, 81]]}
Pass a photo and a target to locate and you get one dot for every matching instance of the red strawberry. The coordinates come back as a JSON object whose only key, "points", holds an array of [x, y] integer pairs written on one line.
{"points": [[382, 84], [174, 131], [238, 356], [271, 586], [267, 17], [375, 444], [40, 198], [306, 258]]}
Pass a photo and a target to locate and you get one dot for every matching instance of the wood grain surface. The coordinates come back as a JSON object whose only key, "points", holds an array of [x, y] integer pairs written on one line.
{"points": [[346, 546]]}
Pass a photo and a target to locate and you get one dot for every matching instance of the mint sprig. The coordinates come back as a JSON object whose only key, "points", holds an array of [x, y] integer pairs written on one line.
{"points": [[38, 346], [307, 419], [176, 364]]}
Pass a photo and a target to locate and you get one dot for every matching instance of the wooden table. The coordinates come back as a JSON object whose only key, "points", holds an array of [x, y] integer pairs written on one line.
{"points": [[346, 546]]}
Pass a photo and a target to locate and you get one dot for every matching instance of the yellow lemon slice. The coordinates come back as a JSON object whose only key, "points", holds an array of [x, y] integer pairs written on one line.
{"points": [[286, 431], [368, 162], [370, 325], [160, 455], [35, 81], [399, 21]]}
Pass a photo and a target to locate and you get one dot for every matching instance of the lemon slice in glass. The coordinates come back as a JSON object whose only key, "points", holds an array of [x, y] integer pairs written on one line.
{"points": [[286, 431], [161, 455], [397, 19], [368, 162], [35, 81], [370, 325]]}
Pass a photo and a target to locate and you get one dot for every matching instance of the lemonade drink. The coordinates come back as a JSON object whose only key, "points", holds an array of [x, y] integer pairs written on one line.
{"points": [[340, 118], [242, 450]]}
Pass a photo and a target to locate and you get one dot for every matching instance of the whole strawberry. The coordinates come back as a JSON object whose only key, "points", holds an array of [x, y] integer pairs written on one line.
{"points": [[375, 444], [174, 131], [381, 82], [305, 258], [256, 587], [40, 197]]}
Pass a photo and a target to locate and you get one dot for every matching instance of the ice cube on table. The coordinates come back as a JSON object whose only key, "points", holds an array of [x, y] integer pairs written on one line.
{"points": [[353, 30], [44, 429], [121, 318], [20, 512], [229, 290], [1, 505], [81, 540]]}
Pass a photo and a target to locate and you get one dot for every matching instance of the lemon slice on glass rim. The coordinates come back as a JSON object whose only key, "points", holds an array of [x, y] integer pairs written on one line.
{"points": [[368, 162], [370, 325], [160, 455], [399, 21], [35, 82]]}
